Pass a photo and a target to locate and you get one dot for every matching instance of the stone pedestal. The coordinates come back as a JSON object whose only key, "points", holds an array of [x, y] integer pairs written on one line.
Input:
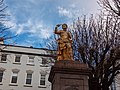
{"points": [[69, 75]]}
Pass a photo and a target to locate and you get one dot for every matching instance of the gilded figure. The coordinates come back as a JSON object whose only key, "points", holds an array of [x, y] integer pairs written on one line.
{"points": [[64, 43]]}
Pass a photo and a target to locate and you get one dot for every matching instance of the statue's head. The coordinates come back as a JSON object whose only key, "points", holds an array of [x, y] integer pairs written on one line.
{"points": [[64, 26]]}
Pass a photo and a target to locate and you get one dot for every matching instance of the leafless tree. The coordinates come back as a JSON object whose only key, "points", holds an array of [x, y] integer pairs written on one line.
{"points": [[5, 33], [52, 45], [111, 5], [4, 28], [96, 42]]}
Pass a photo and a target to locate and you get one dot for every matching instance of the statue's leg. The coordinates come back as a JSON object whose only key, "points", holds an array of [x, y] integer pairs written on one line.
{"points": [[69, 52], [60, 55], [65, 54]]}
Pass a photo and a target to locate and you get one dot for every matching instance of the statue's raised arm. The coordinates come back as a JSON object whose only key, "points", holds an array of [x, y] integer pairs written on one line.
{"points": [[64, 43]]}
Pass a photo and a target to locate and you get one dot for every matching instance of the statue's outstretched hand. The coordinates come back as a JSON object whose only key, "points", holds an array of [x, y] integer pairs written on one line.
{"points": [[58, 25]]}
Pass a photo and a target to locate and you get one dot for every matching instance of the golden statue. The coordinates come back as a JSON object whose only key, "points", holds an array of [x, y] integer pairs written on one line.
{"points": [[64, 43]]}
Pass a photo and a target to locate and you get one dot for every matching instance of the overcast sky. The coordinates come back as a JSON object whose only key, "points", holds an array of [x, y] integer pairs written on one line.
{"points": [[34, 20]]}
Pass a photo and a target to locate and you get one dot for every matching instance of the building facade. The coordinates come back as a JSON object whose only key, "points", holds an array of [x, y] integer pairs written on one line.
{"points": [[24, 68]]}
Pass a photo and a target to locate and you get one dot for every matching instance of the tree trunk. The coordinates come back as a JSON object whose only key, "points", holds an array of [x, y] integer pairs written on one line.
{"points": [[105, 87], [94, 84]]}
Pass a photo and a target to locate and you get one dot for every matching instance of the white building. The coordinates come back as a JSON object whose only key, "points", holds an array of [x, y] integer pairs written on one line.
{"points": [[118, 82], [24, 68]]}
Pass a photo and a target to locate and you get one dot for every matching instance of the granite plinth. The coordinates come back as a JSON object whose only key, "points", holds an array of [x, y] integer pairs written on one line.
{"points": [[69, 75]]}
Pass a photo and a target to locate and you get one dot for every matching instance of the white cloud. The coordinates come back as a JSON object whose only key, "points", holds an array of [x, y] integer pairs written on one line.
{"points": [[70, 13], [10, 23], [64, 12], [76, 8], [34, 28], [37, 29]]}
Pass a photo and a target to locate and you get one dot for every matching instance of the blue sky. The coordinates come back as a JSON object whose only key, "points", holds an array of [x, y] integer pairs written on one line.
{"points": [[34, 20]]}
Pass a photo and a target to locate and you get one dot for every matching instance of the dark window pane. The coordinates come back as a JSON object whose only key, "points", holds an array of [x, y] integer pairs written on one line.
{"points": [[31, 60], [29, 76], [44, 61], [42, 82], [17, 59], [3, 57], [31, 57], [0, 79], [28, 81], [1, 76], [14, 79]]}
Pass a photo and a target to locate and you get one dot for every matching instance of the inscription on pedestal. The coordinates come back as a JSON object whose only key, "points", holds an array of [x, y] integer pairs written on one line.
{"points": [[71, 88], [71, 83]]}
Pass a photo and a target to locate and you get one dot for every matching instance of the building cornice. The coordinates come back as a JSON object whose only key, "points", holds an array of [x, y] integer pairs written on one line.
{"points": [[26, 47], [29, 53]]}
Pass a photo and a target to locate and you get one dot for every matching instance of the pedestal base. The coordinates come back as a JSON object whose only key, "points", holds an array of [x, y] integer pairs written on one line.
{"points": [[69, 75]]}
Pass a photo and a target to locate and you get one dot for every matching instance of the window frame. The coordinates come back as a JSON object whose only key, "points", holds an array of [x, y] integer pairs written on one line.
{"points": [[42, 79], [14, 76], [17, 59], [3, 57], [1, 76], [44, 62], [31, 60], [28, 79], [14, 71]]}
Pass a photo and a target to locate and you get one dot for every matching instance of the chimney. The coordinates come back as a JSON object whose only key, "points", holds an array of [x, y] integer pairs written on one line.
{"points": [[1, 40]]}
